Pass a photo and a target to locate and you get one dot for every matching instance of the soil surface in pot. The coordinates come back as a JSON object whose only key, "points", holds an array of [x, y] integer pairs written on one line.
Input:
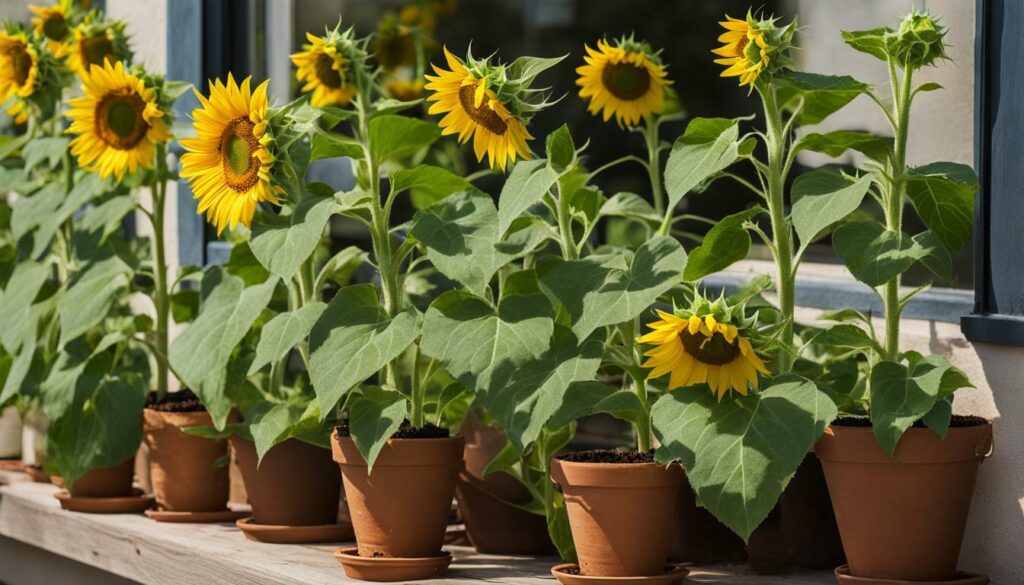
{"points": [[958, 421], [181, 401], [405, 431], [607, 456]]}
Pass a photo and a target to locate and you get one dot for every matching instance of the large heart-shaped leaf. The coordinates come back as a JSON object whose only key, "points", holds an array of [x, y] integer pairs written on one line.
{"points": [[398, 136], [724, 244], [284, 332], [283, 246], [353, 339], [943, 194], [526, 185], [106, 431], [740, 454], [822, 95], [281, 421], [22, 288], [873, 253], [201, 354], [708, 146], [592, 397], [822, 198], [602, 290], [460, 233], [428, 183], [839, 141], [75, 374], [375, 415], [91, 293]]}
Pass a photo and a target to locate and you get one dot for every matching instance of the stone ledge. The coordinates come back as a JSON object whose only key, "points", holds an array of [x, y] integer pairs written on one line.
{"points": [[137, 548]]}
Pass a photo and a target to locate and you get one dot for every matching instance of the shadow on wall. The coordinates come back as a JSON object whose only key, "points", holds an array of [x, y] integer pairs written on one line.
{"points": [[995, 528]]}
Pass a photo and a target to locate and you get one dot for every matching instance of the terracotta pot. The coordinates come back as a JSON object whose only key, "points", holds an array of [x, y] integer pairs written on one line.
{"points": [[621, 514], [183, 468], [493, 524], [296, 484], [698, 537], [237, 493], [808, 521], [903, 517], [401, 508], [106, 482]]}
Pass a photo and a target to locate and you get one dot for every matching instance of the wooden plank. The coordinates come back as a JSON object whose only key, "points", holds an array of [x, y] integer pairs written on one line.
{"points": [[138, 548]]}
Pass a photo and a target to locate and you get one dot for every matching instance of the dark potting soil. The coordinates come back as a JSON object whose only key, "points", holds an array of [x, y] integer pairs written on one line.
{"points": [[957, 421], [608, 456], [181, 401], [405, 431]]}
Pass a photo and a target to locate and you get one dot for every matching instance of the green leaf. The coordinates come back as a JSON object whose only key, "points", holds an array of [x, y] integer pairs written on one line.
{"points": [[105, 432], [86, 189], [939, 417], [460, 234], [836, 143], [185, 305], [76, 373], [822, 198], [353, 339], [725, 243], [282, 421], [284, 332], [822, 94], [739, 454], [871, 41], [393, 137], [873, 253], [201, 354], [847, 336], [708, 146], [91, 293], [592, 397], [943, 195], [283, 247], [100, 222], [560, 149], [375, 415], [937, 257], [243, 264], [526, 185], [22, 289], [329, 145], [50, 150], [629, 205], [603, 290], [429, 183]]}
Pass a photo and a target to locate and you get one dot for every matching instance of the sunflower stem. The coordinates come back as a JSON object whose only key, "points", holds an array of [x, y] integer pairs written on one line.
{"points": [[642, 426], [569, 249], [654, 168], [158, 193], [782, 236]]}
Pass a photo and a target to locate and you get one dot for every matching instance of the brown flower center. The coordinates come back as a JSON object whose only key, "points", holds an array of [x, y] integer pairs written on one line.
{"points": [[96, 49], [714, 350], [482, 115], [238, 147], [325, 71], [55, 28], [119, 120], [626, 81], [21, 63]]}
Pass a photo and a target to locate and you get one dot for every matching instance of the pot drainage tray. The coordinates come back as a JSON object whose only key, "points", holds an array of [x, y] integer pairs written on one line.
{"points": [[116, 505], [569, 574], [196, 517], [295, 534], [391, 569], [845, 578]]}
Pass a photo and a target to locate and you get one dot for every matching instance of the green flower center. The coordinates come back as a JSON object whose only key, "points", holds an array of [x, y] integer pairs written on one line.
{"points": [[483, 115], [119, 120], [326, 73], [714, 350], [238, 147], [752, 52], [96, 50], [626, 81], [55, 28]]}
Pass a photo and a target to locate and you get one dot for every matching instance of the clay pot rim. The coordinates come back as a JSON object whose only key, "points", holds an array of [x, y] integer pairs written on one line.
{"points": [[845, 578], [402, 452], [352, 553], [616, 475], [916, 446]]}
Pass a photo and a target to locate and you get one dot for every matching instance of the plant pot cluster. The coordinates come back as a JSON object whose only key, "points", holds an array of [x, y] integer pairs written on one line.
{"points": [[354, 393]]}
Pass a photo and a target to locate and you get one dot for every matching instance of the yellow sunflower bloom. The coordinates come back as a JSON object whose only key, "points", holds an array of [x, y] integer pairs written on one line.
{"points": [[53, 23], [18, 72], [746, 51], [117, 122], [322, 69], [472, 110], [228, 163], [698, 350], [627, 84], [404, 90], [90, 47]]}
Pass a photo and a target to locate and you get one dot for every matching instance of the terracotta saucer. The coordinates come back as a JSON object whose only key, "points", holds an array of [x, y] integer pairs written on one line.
{"points": [[197, 517], [391, 569], [295, 534], [120, 505], [845, 578], [12, 465], [57, 481], [568, 574], [36, 473]]}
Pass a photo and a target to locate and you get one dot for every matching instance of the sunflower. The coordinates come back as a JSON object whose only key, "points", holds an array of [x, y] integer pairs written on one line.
{"points": [[117, 122], [323, 69], [696, 349], [18, 72], [473, 110], [53, 23], [404, 90], [625, 80], [746, 51], [96, 44], [228, 163]]}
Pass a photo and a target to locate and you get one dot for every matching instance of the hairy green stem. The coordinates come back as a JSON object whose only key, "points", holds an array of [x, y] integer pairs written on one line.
{"points": [[161, 297], [902, 94], [654, 163]]}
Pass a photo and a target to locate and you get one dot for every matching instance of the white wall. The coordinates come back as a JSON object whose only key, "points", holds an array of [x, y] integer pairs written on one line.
{"points": [[942, 129]]}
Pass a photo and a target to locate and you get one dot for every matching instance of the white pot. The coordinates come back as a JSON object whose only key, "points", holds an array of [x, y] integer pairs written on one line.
{"points": [[33, 438], [10, 433]]}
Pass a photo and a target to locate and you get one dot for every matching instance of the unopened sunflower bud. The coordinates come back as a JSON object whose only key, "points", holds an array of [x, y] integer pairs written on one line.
{"points": [[920, 41]]}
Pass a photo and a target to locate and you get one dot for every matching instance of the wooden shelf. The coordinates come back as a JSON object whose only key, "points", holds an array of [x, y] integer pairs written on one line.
{"points": [[137, 548]]}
